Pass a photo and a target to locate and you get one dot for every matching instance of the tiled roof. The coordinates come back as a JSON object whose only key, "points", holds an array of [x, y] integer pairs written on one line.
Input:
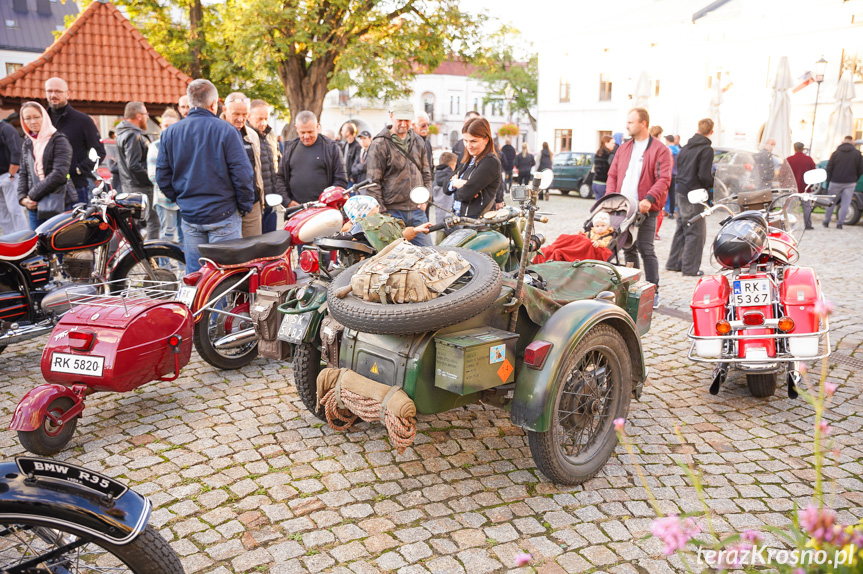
{"points": [[106, 63]]}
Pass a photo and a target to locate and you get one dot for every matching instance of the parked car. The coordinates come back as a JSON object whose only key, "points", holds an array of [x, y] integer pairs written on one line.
{"points": [[571, 170]]}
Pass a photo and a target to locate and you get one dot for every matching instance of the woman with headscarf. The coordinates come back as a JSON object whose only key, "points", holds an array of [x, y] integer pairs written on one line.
{"points": [[45, 159], [475, 186]]}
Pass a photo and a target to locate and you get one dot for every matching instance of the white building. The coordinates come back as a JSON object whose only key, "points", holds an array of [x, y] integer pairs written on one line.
{"points": [[446, 95], [587, 82]]}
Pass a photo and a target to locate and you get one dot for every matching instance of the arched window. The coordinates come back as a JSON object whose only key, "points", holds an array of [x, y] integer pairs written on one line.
{"points": [[453, 137], [428, 104]]}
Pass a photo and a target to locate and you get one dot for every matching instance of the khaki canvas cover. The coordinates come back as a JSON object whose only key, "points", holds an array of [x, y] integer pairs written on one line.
{"points": [[381, 229]]}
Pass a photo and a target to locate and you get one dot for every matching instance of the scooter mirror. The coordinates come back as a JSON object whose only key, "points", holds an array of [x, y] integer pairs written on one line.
{"points": [[814, 176], [420, 195], [93, 155], [518, 192], [697, 196], [546, 178], [273, 199]]}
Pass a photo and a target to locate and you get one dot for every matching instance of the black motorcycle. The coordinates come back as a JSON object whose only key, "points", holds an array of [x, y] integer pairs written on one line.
{"points": [[56, 517], [94, 247]]}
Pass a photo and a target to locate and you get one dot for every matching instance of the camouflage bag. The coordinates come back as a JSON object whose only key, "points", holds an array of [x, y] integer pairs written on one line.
{"points": [[381, 229], [405, 273]]}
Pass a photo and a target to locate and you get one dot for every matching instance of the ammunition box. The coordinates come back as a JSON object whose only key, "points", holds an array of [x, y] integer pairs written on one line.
{"points": [[474, 360]]}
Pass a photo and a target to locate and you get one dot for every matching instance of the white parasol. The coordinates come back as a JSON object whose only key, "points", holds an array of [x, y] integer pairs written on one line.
{"points": [[713, 111], [842, 118], [779, 121], [642, 91]]}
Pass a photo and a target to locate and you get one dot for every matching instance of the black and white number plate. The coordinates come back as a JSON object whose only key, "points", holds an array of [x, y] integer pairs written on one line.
{"points": [[752, 292], [294, 328], [64, 472], [77, 364]]}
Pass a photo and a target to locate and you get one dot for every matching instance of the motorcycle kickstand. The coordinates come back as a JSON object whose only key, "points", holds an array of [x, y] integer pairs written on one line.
{"points": [[720, 373]]}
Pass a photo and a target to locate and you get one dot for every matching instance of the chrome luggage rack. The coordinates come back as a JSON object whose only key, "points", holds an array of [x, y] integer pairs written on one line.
{"points": [[149, 290]]}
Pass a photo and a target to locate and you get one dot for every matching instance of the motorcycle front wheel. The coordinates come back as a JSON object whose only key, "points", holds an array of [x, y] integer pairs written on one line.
{"points": [[30, 546], [215, 325], [167, 266]]}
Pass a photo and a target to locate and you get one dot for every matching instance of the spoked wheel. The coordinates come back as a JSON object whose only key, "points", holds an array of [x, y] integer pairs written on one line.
{"points": [[761, 384], [167, 266], [228, 316], [50, 438], [30, 547], [594, 387]]}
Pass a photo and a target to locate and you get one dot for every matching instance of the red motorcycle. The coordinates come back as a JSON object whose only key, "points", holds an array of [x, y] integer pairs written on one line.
{"points": [[760, 316], [103, 343], [222, 292]]}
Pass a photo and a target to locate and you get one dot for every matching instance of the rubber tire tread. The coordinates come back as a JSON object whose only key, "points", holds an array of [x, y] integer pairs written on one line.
{"points": [[853, 215], [542, 444], [307, 365], [207, 351], [155, 251], [410, 318], [34, 441], [148, 553], [761, 385]]}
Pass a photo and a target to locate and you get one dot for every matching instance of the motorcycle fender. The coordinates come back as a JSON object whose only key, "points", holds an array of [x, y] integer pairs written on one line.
{"points": [[58, 501], [33, 407], [535, 390], [207, 284], [126, 252]]}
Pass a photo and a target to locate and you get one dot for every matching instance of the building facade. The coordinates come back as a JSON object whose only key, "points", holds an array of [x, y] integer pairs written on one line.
{"points": [[27, 29]]}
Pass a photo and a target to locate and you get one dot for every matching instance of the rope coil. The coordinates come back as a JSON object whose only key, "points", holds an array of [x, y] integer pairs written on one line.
{"points": [[402, 430]]}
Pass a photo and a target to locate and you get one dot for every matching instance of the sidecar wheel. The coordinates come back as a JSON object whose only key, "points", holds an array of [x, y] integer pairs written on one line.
{"points": [[762, 384], [213, 326], [307, 365], [594, 387], [49, 438]]}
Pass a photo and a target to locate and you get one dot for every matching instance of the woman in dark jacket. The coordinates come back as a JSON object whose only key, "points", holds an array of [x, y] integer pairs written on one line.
{"points": [[545, 157], [523, 162], [45, 159], [601, 163], [479, 177]]}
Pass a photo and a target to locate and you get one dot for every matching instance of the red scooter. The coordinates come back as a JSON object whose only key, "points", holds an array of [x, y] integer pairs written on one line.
{"points": [[759, 316], [103, 343], [222, 292]]}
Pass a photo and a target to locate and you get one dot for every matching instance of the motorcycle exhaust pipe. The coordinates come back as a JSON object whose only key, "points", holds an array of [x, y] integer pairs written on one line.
{"points": [[720, 373], [234, 340], [794, 377]]}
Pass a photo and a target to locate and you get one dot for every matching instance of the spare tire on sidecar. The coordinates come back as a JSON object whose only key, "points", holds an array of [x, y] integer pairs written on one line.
{"points": [[474, 292]]}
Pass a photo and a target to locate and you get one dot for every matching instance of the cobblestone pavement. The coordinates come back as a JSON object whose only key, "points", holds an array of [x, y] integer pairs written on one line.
{"points": [[243, 479]]}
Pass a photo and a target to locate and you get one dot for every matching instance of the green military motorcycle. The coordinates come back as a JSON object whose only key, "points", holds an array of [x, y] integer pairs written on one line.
{"points": [[557, 344]]}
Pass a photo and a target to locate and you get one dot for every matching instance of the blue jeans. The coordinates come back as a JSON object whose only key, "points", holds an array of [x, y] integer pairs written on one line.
{"points": [[598, 189], [269, 221], [412, 219], [195, 234], [169, 226], [83, 194]]}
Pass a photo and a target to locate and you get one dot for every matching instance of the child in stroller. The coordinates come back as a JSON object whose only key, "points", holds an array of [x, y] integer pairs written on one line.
{"points": [[596, 241]]}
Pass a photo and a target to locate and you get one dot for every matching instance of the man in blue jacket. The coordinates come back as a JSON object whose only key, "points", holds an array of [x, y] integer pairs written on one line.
{"points": [[203, 167]]}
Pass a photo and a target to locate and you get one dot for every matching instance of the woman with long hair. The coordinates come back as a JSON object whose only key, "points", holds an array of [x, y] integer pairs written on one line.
{"points": [[523, 163], [476, 184], [45, 159], [545, 162], [601, 163]]}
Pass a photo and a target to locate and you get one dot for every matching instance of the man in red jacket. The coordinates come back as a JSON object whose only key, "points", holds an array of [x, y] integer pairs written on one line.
{"points": [[801, 163], [641, 171]]}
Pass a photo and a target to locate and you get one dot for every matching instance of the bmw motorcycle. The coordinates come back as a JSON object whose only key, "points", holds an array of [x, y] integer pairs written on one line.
{"points": [[58, 518], [94, 245], [760, 315]]}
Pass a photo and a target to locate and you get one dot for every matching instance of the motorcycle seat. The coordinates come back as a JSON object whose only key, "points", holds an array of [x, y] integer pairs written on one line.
{"points": [[18, 244], [239, 251]]}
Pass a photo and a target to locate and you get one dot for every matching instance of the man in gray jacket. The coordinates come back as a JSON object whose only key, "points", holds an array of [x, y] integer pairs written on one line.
{"points": [[132, 147], [398, 163], [843, 170]]}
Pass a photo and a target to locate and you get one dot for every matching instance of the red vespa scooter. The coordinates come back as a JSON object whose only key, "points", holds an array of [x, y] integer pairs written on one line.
{"points": [[103, 343], [222, 293]]}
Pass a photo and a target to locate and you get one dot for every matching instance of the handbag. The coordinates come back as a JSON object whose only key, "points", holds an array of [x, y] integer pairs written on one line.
{"points": [[52, 204]]}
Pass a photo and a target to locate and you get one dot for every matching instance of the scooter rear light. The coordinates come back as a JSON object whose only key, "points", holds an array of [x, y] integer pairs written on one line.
{"points": [[536, 353], [309, 261], [786, 324], [82, 340], [723, 327], [753, 318], [192, 279]]}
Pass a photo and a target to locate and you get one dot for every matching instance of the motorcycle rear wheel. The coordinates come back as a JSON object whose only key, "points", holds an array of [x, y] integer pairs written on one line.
{"points": [[164, 262], [761, 384], [49, 439], [214, 326], [29, 541]]}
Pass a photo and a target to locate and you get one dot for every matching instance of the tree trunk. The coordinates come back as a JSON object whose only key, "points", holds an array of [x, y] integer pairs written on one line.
{"points": [[306, 86], [196, 37]]}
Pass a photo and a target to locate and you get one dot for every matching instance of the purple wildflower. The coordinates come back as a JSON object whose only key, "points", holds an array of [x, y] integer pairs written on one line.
{"points": [[674, 532]]}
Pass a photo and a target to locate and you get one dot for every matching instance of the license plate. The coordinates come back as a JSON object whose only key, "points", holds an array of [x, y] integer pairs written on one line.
{"points": [[294, 328], [62, 471], [77, 364], [752, 292], [186, 296]]}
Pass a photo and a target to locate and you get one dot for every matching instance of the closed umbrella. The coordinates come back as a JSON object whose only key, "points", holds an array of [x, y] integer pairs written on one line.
{"points": [[642, 91], [842, 118], [713, 111], [779, 121]]}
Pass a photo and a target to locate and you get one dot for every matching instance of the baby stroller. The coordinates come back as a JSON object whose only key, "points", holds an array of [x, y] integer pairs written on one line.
{"points": [[623, 214]]}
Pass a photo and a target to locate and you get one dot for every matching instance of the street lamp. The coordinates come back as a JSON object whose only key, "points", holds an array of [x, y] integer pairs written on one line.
{"points": [[820, 66]]}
